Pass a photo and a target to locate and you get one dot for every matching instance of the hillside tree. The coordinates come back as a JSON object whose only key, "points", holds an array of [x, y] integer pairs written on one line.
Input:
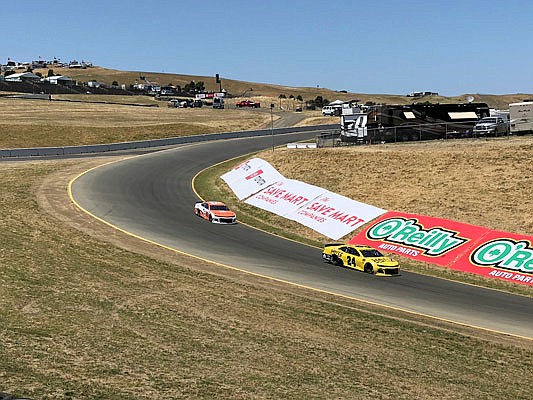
{"points": [[281, 96], [194, 87]]}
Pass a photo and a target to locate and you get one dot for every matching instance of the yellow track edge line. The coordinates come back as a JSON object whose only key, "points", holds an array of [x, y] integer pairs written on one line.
{"points": [[73, 200]]}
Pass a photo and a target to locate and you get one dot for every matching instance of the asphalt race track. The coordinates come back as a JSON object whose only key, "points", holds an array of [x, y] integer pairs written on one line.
{"points": [[151, 196]]}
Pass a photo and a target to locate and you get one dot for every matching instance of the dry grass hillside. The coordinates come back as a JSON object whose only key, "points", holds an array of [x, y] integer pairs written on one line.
{"points": [[270, 92], [480, 182], [60, 123]]}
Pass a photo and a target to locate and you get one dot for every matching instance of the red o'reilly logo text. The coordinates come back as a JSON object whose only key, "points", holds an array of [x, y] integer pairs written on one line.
{"points": [[514, 255]]}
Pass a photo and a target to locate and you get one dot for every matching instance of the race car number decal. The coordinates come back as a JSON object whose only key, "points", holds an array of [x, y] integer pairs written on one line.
{"points": [[351, 260]]}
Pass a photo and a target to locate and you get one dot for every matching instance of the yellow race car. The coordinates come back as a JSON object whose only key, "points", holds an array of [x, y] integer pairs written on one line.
{"points": [[362, 258]]}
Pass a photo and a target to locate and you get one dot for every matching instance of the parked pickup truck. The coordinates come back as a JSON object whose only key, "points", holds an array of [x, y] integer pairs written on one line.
{"points": [[491, 126], [247, 103]]}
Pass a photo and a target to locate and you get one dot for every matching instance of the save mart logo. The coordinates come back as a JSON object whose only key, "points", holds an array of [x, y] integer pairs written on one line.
{"points": [[513, 255]]}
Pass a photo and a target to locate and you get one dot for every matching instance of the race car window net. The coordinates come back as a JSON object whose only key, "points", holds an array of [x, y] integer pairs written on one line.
{"points": [[371, 253], [221, 208]]}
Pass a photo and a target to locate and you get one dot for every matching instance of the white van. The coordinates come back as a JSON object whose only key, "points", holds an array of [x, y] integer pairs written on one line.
{"points": [[329, 110]]}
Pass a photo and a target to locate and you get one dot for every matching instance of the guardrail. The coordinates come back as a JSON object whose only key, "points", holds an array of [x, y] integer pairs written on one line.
{"points": [[101, 148]]}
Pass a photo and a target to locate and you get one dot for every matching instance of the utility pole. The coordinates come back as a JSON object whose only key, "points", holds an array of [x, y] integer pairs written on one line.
{"points": [[272, 124], [219, 82]]}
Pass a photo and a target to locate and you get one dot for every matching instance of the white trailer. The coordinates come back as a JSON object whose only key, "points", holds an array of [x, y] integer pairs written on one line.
{"points": [[353, 126], [521, 117]]}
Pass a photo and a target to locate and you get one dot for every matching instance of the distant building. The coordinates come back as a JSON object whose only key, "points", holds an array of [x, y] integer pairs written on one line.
{"points": [[95, 84], [59, 80], [422, 94], [38, 64], [23, 77], [79, 65]]}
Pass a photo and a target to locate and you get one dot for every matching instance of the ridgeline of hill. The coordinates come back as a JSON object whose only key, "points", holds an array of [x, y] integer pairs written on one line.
{"points": [[238, 88]]}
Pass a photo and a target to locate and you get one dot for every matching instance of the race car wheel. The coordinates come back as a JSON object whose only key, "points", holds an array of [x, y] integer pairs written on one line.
{"points": [[369, 269], [337, 261], [210, 218]]}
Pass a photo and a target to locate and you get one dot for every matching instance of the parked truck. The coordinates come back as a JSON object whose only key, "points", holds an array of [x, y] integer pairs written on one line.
{"points": [[521, 117], [218, 102], [491, 126], [247, 103]]}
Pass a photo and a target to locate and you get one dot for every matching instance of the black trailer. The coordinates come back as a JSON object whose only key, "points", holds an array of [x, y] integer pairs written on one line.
{"points": [[423, 121]]}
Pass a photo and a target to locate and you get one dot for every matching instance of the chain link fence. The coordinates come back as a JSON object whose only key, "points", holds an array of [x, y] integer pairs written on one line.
{"points": [[396, 134]]}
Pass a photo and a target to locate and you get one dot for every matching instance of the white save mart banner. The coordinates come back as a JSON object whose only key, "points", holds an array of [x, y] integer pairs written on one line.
{"points": [[250, 177], [284, 197], [334, 215], [326, 212]]}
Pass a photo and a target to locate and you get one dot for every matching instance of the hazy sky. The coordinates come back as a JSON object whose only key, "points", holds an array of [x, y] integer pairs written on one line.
{"points": [[378, 46]]}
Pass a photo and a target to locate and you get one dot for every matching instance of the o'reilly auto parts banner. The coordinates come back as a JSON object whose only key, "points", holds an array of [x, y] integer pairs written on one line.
{"points": [[453, 244], [250, 177], [500, 255], [427, 239]]}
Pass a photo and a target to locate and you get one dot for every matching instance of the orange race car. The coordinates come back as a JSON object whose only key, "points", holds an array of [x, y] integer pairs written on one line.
{"points": [[215, 211]]}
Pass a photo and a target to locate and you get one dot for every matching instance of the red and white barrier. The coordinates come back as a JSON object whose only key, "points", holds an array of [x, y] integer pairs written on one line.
{"points": [[453, 244]]}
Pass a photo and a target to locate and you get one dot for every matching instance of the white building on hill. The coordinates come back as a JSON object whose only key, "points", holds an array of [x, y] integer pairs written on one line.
{"points": [[59, 80], [21, 77]]}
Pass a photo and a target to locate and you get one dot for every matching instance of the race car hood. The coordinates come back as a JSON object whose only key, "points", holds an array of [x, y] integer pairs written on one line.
{"points": [[223, 214], [385, 262]]}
